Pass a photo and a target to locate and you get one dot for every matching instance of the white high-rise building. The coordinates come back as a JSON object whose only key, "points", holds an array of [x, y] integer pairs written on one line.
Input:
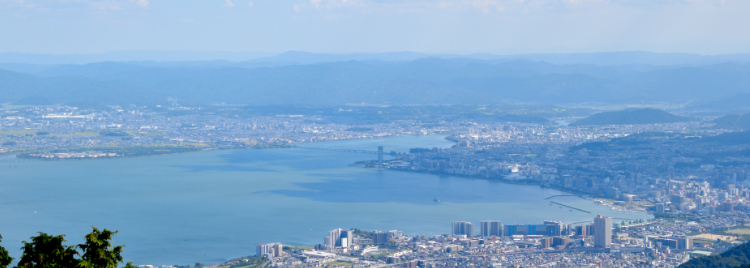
{"points": [[270, 250], [602, 231], [262, 250], [491, 228], [339, 238], [463, 228]]}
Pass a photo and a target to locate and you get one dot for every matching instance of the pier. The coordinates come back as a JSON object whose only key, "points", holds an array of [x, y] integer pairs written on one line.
{"points": [[581, 210], [548, 198], [340, 150], [16, 159]]}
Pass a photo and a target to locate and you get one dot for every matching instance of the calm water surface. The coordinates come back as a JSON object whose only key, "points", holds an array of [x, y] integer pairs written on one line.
{"points": [[212, 206]]}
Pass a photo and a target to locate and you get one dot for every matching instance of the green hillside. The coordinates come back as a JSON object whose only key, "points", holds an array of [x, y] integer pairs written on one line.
{"points": [[735, 121], [737, 256]]}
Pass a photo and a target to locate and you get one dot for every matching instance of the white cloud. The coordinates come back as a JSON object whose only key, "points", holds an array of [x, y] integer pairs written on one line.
{"points": [[188, 21], [143, 3], [578, 2], [228, 3], [315, 3], [250, 4], [296, 8], [487, 5]]}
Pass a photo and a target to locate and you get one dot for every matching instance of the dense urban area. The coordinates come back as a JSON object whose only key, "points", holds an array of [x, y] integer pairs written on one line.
{"points": [[692, 175]]}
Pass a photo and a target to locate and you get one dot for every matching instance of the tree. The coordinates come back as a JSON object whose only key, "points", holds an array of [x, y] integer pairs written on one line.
{"points": [[5, 259], [130, 265], [98, 252], [46, 251]]}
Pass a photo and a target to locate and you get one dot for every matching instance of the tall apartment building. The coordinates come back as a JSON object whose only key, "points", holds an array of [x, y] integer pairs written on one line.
{"points": [[602, 231], [463, 228], [269, 250], [339, 238], [491, 228], [379, 237]]}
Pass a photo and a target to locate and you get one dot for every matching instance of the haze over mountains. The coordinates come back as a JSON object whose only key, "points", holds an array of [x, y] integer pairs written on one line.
{"points": [[632, 117], [299, 78]]}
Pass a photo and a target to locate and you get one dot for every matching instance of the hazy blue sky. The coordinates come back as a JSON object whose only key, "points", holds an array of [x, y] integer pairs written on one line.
{"points": [[343, 26]]}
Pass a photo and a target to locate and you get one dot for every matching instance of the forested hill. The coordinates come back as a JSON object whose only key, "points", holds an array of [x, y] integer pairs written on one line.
{"points": [[733, 121], [631, 117], [735, 257]]}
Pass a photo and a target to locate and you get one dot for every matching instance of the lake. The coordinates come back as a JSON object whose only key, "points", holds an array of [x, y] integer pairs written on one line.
{"points": [[213, 206]]}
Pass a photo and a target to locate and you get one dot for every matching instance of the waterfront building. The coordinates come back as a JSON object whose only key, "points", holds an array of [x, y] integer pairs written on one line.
{"points": [[339, 238], [394, 234], [463, 228], [269, 250], [278, 249], [491, 228], [379, 237], [262, 249], [549, 228], [659, 208], [602, 231], [557, 228]]}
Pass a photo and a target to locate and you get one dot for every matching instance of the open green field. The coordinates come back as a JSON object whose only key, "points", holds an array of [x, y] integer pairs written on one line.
{"points": [[703, 241], [297, 248], [18, 132], [713, 237], [740, 231], [77, 134]]}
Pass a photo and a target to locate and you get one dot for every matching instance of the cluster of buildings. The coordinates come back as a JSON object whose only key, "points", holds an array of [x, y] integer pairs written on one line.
{"points": [[551, 233], [692, 202], [497, 229], [698, 197], [602, 243], [629, 166], [53, 128]]}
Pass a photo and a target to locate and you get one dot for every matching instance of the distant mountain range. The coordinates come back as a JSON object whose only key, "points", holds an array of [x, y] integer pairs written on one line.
{"points": [[631, 117], [301, 57], [298, 78]]}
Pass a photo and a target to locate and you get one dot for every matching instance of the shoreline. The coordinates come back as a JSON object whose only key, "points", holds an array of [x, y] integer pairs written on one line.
{"points": [[18, 154], [580, 194]]}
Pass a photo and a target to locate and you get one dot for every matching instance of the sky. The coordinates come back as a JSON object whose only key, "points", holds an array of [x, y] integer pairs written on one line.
{"points": [[371, 26]]}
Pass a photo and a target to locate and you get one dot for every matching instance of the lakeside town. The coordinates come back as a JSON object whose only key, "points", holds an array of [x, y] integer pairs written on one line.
{"points": [[602, 243], [700, 209], [699, 199]]}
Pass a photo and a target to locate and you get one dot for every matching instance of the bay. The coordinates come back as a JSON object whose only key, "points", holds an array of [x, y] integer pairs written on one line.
{"points": [[212, 206]]}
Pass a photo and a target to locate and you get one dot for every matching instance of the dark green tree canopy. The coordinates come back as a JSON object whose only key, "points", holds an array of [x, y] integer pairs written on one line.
{"points": [[734, 257], [46, 251], [98, 252], [5, 259]]}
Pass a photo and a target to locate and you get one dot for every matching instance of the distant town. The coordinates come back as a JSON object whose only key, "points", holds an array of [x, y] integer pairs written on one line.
{"points": [[691, 175]]}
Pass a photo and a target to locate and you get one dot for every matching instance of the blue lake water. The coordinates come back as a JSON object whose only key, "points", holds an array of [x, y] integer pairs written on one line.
{"points": [[213, 206]]}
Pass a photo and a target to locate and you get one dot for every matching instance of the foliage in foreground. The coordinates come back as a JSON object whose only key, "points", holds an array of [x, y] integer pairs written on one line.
{"points": [[48, 251]]}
